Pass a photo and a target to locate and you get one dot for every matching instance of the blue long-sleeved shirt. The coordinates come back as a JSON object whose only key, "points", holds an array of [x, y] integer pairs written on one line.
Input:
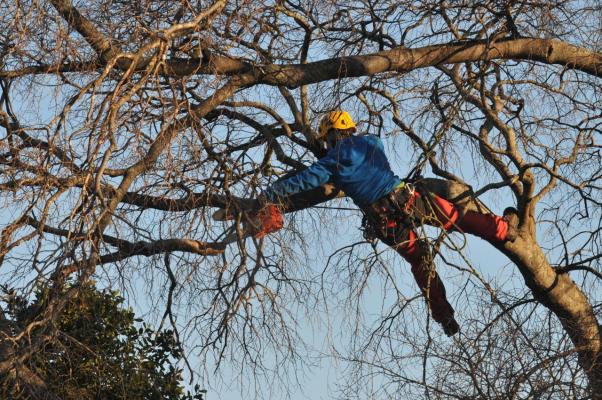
{"points": [[356, 165]]}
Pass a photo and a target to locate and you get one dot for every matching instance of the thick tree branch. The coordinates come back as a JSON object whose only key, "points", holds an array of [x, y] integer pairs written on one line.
{"points": [[190, 202], [400, 59], [129, 249], [97, 40]]}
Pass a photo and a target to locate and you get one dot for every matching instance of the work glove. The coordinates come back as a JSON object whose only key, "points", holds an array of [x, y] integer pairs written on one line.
{"points": [[266, 220]]}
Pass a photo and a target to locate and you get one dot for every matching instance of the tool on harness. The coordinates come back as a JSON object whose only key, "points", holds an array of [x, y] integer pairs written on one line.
{"points": [[403, 197], [382, 217]]}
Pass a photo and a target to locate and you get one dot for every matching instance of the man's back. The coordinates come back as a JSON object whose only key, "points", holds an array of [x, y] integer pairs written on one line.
{"points": [[363, 171]]}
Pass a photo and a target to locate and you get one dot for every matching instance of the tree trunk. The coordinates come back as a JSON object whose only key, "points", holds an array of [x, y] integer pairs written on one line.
{"points": [[560, 294], [556, 291]]}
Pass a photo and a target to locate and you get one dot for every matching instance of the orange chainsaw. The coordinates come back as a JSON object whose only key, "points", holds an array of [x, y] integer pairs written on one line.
{"points": [[266, 220]]}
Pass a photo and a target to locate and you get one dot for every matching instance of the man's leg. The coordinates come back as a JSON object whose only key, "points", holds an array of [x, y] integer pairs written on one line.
{"points": [[490, 227], [416, 252]]}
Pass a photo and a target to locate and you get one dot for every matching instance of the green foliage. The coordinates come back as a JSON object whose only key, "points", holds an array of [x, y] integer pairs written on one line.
{"points": [[103, 352]]}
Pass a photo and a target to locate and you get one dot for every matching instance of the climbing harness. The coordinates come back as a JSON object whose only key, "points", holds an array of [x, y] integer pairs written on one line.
{"points": [[384, 215]]}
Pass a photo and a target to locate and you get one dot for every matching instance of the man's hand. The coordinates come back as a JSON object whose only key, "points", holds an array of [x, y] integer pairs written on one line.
{"points": [[267, 220]]}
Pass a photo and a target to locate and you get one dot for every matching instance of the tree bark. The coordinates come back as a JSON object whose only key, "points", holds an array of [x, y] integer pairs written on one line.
{"points": [[561, 295], [555, 291]]}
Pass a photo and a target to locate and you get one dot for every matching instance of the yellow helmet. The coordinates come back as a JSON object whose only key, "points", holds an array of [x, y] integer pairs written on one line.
{"points": [[335, 120]]}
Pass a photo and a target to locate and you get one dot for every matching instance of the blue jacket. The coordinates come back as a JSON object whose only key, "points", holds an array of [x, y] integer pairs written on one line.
{"points": [[356, 165]]}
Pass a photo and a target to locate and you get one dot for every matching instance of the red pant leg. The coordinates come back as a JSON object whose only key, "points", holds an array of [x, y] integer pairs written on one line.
{"points": [[416, 253], [486, 226]]}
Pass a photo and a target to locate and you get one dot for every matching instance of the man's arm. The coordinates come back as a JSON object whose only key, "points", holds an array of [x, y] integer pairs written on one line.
{"points": [[311, 178]]}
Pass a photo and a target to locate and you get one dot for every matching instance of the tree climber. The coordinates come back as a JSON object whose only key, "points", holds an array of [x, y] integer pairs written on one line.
{"points": [[358, 166]]}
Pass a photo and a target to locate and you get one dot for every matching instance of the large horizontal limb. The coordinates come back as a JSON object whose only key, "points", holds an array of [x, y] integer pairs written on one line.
{"points": [[454, 191], [194, 201], [400, 59]]}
